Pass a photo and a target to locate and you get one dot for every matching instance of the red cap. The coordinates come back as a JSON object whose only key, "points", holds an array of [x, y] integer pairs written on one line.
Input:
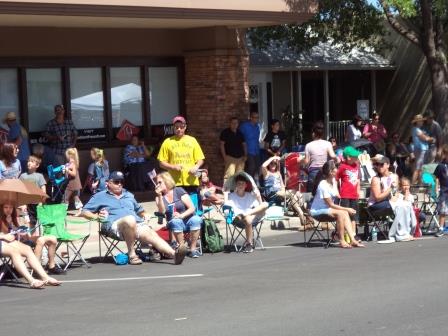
{"points": [[179, 118]]}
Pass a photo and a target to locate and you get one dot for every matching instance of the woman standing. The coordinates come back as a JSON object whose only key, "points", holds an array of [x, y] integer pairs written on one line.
{"points": [[420, 141], [353, 131], [317, 152], [376, 133]]}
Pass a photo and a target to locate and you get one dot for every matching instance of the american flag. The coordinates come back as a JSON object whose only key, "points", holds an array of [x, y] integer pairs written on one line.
{"points": [[152, 175]]}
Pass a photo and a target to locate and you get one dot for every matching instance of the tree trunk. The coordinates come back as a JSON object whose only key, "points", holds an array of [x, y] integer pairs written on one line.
{"points": [[439, 86]]}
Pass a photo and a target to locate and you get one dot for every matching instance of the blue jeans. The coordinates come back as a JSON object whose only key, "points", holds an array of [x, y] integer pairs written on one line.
{"points": [[312, 173], [180, 225]]}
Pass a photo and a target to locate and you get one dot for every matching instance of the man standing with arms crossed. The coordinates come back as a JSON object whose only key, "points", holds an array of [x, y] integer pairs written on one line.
{"points": [[233, 149]]}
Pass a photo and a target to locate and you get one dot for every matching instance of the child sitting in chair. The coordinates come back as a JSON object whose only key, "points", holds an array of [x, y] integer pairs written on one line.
{"points": [[247, 207], [208, 190]]}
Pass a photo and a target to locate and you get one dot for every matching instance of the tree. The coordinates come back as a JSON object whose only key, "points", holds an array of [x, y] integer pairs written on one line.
{"points": [[359, 23]]}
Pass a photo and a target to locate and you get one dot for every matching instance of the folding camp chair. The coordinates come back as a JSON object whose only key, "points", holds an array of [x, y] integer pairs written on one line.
{"points": [[236, 230], [53, 219], [6, 269], [58, 183], [110, 240], [380, 220], [317, 231]]}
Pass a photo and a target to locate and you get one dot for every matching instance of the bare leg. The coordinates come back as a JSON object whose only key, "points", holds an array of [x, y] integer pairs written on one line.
{"points": [[194, 235], [127, 227], [17, 261], [149, 236]]}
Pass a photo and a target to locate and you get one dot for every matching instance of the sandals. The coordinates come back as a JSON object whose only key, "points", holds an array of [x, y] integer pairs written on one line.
{"points": [[37, 284], [135, 260], [345, 245], [52, 282], [357, 244]]}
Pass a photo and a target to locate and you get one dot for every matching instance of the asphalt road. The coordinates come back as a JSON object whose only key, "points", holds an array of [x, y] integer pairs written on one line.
{"points": [[396, 289]]}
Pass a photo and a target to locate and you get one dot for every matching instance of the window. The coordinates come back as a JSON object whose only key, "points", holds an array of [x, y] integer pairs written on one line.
{"points": [[126, 96], [163, 94], [44, 88], [9, 96], [87, 100]]}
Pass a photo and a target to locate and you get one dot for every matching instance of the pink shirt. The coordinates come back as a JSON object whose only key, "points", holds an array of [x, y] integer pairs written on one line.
{"points": [[378, 132], [317, 151]]}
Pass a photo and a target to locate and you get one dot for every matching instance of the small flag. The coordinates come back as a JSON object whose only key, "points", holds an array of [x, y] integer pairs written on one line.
{"points": [[152, 175]]}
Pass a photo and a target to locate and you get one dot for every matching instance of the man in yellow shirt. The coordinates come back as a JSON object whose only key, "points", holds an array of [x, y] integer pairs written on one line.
{"points": [[181, 155]]}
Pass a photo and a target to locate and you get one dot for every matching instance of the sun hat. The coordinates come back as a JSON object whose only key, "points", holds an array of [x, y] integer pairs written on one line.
{"points": [[10, 116], [179, 118], [350, 151], [417, 118]]}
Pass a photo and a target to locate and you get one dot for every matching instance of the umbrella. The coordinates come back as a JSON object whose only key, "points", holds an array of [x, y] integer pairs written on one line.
{"points": [[230, 183], [20, 192]]}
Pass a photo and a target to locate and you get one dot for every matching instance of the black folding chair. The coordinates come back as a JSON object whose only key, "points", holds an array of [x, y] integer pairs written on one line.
{"points": [[6, 269], [317, 233], [380, 219]]}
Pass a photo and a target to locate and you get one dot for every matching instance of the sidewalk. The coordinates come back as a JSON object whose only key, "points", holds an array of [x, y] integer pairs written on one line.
{"points": [[91, 247]]}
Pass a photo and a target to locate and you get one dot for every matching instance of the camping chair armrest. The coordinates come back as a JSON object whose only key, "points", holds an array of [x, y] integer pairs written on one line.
{"points": [[79, 222]]}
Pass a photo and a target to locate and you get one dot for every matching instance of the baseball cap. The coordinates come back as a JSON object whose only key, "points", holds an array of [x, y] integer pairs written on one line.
{"points": [[380, 159], [350, 151], [116, 175], [179, 118]]}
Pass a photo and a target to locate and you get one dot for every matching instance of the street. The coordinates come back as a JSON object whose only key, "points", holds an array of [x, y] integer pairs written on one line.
{"points": [[287, 289]]}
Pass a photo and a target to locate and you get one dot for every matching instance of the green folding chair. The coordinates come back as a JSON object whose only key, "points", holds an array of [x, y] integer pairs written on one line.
{"points": [[53, 218]]}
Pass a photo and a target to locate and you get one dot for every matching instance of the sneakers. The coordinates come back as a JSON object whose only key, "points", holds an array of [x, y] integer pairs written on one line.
{"points": [[179, 254], [247, 248], [56, 271], [439, 233], [194, 254]]}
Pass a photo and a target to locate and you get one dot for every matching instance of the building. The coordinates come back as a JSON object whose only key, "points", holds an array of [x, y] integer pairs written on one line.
{"points": [[136, 60]]}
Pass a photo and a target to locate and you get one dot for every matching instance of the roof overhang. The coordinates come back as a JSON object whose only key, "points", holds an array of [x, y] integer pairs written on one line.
{"points": [[151, 14]]}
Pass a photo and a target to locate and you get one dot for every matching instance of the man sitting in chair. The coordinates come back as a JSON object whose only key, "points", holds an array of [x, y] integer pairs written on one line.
{"points": [[119, 213], [248, 208]]}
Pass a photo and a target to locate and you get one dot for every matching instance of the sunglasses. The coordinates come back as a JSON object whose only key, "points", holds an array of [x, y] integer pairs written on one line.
{"points": [[117, 182]]}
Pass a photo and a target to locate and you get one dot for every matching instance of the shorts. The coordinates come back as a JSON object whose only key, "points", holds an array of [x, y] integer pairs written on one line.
{"points": [[193, 223], [114, 227], [319, 212], [442, 205], [351, 203], [419, 158], [241, 224]]}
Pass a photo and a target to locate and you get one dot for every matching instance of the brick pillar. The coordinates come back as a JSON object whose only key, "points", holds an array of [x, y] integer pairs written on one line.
{"points": [[216, 88]]}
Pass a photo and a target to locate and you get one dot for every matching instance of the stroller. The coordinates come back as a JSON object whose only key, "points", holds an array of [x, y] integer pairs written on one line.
{"points": [[58, 183]]}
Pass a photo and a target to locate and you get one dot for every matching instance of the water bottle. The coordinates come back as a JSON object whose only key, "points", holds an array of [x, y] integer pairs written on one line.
{"points": [[374, 234]]}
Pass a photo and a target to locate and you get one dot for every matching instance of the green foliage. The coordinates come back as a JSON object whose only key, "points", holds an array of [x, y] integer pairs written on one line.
{"points": [[348, 23]]}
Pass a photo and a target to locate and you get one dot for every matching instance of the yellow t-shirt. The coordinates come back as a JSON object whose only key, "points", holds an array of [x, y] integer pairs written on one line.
{"points": [[185, 152]]}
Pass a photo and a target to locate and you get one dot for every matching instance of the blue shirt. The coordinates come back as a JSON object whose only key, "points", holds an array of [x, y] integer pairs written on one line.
{"points": [[251, 134], [441, 172], [418, 143], [11, 172], [117, 207], [15, 132], [131, 160]]}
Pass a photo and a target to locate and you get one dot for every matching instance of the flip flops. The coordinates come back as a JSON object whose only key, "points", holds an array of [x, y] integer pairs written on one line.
{"points": [[135, 260], [37, 284]]}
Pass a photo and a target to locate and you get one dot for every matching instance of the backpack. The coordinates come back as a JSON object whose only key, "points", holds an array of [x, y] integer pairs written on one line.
{"points": [[211, 237]]}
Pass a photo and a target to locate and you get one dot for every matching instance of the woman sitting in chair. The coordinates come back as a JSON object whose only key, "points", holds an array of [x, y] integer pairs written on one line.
{"points": [[16, 250], [274, 188], [179, 209], [323, 204], [383, 198], [248, 208]]}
